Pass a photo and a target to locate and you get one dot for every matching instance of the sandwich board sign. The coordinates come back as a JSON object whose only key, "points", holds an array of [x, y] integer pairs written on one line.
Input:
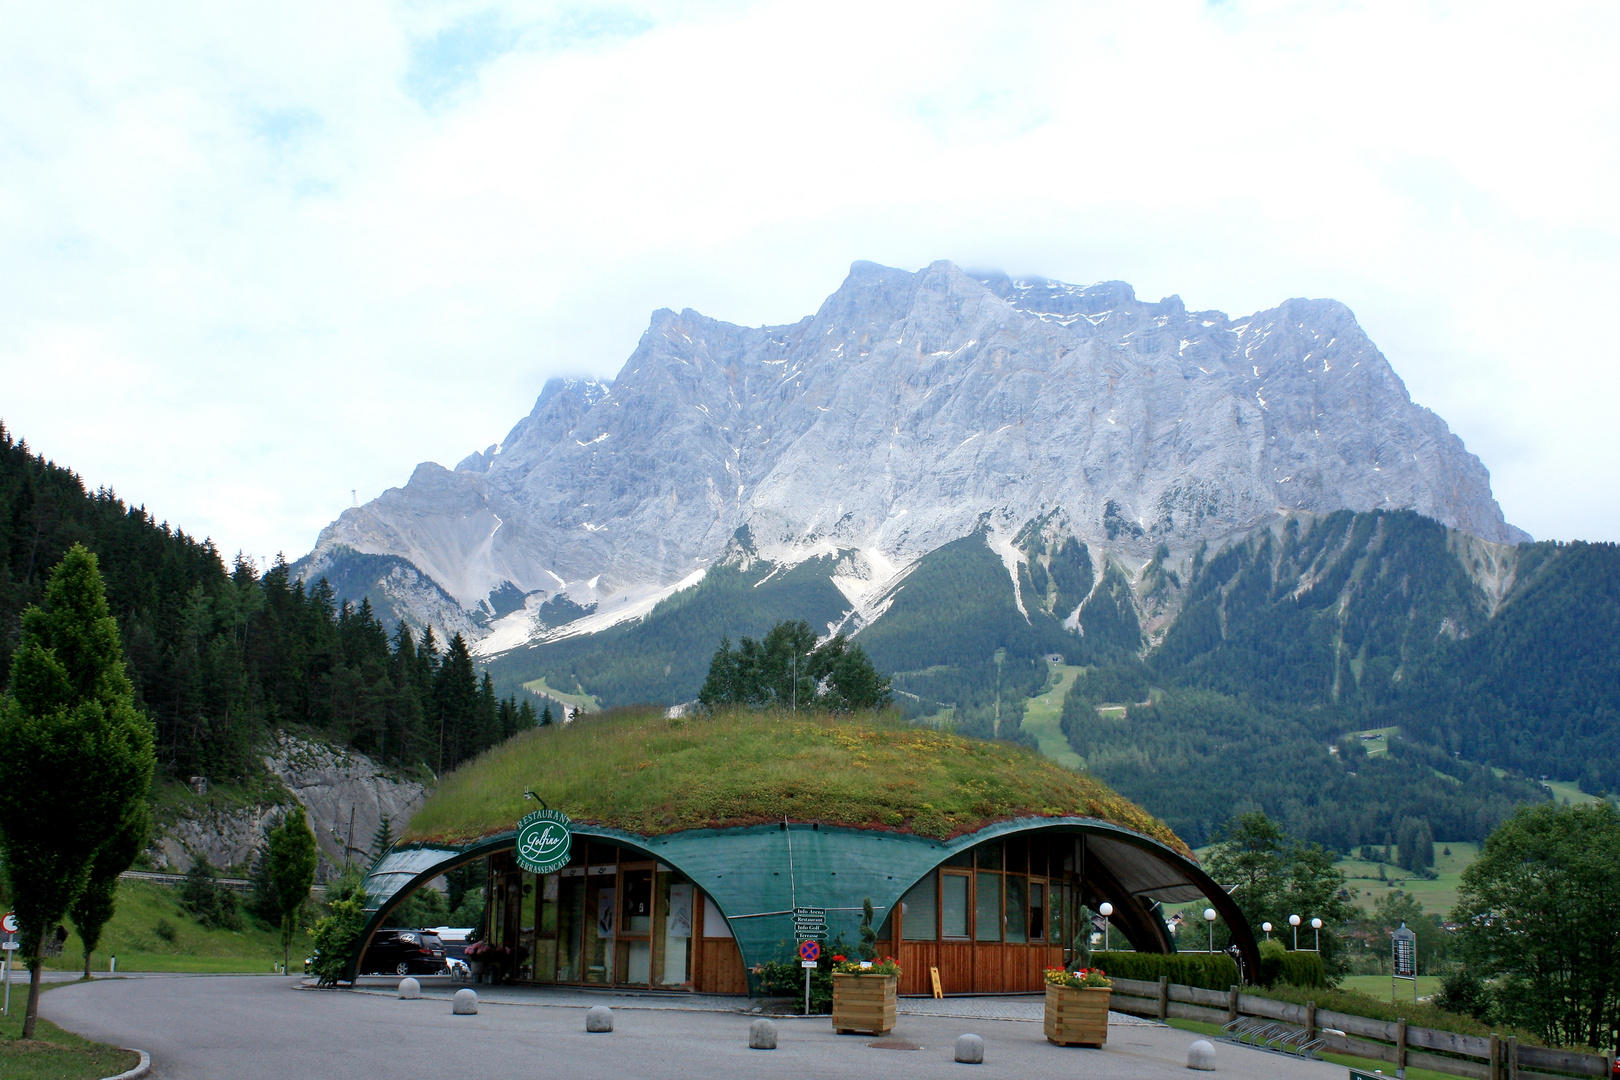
{"points": [[544, 840]]}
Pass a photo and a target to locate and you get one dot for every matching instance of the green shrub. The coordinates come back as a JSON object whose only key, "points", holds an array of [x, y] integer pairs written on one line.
{"points": [[1215, 971], [165, 930], [1279, 965], [336, 936]]}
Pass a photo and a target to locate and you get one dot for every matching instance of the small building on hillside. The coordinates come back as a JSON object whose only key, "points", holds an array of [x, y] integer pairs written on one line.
{"points": [[701, 846]]}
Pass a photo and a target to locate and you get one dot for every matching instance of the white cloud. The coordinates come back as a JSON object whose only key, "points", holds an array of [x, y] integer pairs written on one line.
{"points": [[258, 257]]}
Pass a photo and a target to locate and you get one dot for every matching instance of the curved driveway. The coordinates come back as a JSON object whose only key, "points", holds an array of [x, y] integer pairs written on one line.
{"points": [[265, 1028]]}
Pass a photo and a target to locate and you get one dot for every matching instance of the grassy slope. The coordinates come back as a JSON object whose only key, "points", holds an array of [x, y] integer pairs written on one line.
{"points": [[578, 701], [643, 772], [54, 1054], [1347, 1060], [1565, 791], [1042, 715], [132, 937], [1437, 897]]}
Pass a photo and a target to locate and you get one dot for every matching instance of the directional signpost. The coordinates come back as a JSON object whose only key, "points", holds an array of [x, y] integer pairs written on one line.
{"points": [[8, 925], [809, 922], [809, 953]]}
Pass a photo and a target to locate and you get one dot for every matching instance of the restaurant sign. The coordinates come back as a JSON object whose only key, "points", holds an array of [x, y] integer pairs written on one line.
{"points": [[544, 839]]}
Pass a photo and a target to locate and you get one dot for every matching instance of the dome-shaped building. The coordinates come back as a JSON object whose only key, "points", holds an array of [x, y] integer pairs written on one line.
{"points": [[698, 847]]}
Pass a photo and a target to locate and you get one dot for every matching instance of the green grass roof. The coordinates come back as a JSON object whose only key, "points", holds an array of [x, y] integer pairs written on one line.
{"points": [[636, 770]]}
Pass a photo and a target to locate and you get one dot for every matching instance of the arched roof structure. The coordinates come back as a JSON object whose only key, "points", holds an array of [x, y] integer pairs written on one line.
{"points": [[758, 874]]}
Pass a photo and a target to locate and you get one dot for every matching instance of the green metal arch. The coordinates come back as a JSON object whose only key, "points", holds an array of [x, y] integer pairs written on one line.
{"points": [[757, 874]]}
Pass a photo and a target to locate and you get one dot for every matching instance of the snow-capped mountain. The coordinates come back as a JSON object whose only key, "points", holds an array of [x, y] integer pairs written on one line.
{"points": [[911, 410]]}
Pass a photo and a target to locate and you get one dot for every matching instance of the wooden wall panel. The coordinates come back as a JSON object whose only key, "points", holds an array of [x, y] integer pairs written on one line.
{"points": [[916, 957], [720, 967], [956, 967]]}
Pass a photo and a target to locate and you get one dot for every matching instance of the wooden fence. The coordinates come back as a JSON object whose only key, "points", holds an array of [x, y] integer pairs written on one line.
{"points": [[1400, 1044]]}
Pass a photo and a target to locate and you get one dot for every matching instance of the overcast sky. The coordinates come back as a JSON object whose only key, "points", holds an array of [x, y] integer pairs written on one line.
{"points": [[253, 257]]}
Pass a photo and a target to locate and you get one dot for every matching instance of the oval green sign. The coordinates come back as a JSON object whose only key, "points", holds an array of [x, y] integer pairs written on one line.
{"points": [[544, 839]]}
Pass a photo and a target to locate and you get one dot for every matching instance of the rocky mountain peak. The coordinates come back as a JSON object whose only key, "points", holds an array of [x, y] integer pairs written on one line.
{"points": [[909, 408]]}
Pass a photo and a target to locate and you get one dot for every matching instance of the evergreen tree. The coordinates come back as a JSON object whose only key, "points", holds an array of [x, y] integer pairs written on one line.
{"points": [[545, 716], [383, 839], [78, 754]]}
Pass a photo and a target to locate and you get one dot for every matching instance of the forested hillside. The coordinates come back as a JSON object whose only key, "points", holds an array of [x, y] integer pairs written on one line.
{"points": [[220, 657], [1197, 757], [1506, 656]]}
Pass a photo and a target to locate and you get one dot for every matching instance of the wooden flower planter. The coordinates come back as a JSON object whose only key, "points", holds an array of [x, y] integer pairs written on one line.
{"points": [[1077, 1017], [864, 1003]]}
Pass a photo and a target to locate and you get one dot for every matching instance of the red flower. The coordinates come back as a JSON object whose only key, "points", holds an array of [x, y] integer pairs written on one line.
{"points": [[838, 959]]}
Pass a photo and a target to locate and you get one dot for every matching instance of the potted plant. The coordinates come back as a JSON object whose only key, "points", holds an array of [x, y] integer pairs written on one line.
{"points": [[865, 991], [1077, 1006]]}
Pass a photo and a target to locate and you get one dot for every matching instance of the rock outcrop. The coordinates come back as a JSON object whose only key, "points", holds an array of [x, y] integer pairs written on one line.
{"points": [[344, 794]]}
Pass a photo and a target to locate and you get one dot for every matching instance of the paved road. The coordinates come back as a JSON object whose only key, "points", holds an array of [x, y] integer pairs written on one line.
{"points": [[227, 1028]]}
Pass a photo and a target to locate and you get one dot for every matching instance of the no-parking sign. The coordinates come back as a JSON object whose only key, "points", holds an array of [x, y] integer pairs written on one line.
{"points": [[809, 953]]}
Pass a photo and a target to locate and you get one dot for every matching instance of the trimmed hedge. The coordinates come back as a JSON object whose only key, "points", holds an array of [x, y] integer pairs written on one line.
{"points": [[1211, 971], [1217, 971], [1278, 964]]}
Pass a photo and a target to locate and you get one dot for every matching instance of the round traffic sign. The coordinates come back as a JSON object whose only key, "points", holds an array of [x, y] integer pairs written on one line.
{"points": [[810, 951], [9, 923]]}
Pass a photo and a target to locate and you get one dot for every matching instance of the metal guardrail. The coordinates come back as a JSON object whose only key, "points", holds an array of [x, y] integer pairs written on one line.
{"points": [[241, 885]]}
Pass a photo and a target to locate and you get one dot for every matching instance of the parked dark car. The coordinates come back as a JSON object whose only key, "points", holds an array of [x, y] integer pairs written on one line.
{"points": [[404, 952]]}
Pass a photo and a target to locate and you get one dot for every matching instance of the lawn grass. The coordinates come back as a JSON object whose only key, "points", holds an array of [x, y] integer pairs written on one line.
{"points": [[133, 937], [649, 774], [1438, 897], [1378, 986], [1043, 717], [53, 1054]]}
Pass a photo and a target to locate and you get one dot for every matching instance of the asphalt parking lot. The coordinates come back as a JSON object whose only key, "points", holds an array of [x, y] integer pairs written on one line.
{"points": [[269, 1028]]}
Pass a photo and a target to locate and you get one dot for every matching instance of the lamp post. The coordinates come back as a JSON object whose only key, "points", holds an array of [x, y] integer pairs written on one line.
{"points": [[1267, 928], [1209, 917], [1293, 920], [1316, 927], [1105, 909]]}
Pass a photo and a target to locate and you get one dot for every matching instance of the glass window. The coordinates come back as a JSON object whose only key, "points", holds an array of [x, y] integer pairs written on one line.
{"points": [[637, 902], [1017, 908], [1037, 856], [917, 914], [961, 858], [989, 855], [1057, 899], [675, 907], [1037, 911], [570, 926], [1017, 856], [953, 907], [987, 908], [601, 915]]}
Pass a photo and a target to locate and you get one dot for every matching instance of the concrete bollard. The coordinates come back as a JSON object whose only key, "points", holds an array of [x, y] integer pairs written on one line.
{"points": [[762, 1035], [970, 1050], [465, 1003], [1201, 1056], [410, 989], [598, 1018]]}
